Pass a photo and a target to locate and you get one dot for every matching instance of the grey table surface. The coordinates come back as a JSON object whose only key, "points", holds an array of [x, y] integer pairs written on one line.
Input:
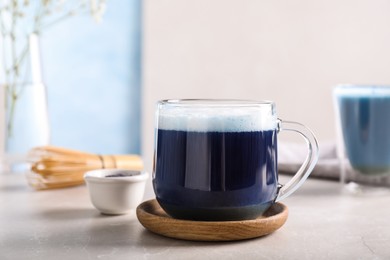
{"points": [[323, 223]]}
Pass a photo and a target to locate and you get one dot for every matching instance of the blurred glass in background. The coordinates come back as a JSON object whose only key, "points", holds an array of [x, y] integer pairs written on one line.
{"points": [[92, 73]]}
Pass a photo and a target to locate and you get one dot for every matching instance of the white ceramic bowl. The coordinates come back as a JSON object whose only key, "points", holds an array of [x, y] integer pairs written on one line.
{"points": [[116, 191]]}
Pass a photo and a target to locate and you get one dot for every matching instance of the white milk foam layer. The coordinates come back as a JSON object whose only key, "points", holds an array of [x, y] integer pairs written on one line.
{"points": [[217, 119], [362, 91]]}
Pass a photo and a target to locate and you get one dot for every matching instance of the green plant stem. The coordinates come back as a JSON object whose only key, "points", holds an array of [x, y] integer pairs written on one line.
{"points": [[11, 115]]}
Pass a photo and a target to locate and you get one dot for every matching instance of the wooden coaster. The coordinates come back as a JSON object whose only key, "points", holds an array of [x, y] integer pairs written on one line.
{"points": [[153, 218]]}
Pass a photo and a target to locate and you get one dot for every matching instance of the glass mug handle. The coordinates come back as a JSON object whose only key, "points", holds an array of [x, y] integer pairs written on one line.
{"points": [[309, 163]]}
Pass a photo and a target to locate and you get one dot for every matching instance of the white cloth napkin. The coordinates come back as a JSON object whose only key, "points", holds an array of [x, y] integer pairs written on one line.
{"points": [[292, 155]]}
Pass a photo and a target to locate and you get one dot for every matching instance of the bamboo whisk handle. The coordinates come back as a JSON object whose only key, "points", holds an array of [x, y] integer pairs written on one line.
{"points": [[131, 162]]}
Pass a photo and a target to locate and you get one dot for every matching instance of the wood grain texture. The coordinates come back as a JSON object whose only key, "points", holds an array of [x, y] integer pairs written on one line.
{"points": [[153, 218]]}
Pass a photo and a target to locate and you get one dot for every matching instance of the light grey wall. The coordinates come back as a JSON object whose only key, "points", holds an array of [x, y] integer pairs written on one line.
{"points": [[292, 52]]}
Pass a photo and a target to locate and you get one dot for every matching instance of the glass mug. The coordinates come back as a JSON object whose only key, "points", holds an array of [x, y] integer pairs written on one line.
{"points": [[216, 160], [364, 127]]}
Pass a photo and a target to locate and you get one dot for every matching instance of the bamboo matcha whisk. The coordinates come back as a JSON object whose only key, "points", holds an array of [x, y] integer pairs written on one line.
{"points": [[55, 167]]}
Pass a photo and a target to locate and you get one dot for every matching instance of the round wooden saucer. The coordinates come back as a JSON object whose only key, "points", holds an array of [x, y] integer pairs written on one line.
{"points": [[153, 218]]}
